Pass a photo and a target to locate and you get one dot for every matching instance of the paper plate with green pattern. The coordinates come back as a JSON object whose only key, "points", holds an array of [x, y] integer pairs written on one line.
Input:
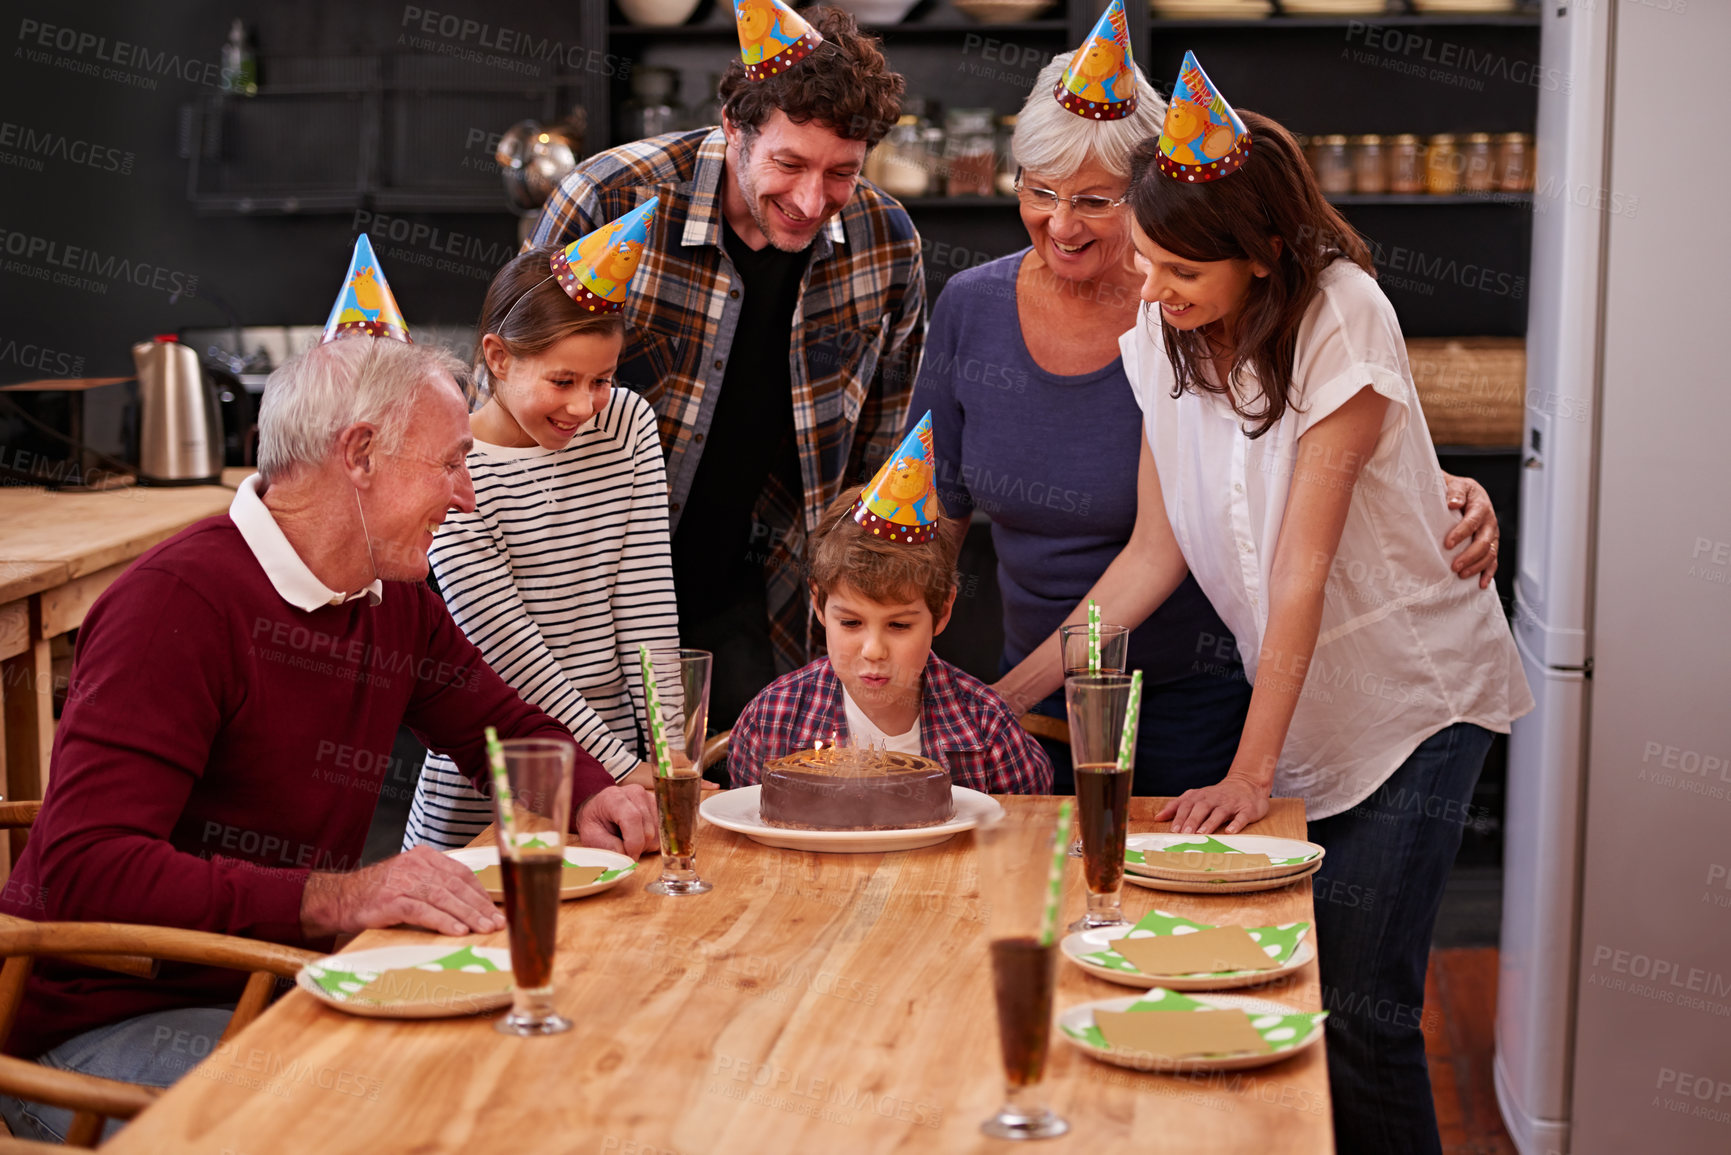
{"points": [[1221, 886], [1289, 945], [587, 869], [420, 981], [1284, 1030], [1217, 859]]}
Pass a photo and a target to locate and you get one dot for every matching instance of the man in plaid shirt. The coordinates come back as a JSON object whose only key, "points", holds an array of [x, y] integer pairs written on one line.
{"points": [[775, 325], [881, 603]]}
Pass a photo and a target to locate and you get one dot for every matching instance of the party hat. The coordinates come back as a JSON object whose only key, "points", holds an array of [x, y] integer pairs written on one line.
{"points": [[1100, 83], [596, 270], [365, 305], [1202, 139], [772, 37], [901, 503]]}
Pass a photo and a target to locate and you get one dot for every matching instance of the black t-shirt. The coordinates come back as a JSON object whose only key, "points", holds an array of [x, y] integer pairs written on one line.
{"points": [[716, 555]]}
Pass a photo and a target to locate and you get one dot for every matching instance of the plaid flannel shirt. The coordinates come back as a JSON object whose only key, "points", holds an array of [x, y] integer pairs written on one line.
{"points": [[859, 323], [957, 712]]}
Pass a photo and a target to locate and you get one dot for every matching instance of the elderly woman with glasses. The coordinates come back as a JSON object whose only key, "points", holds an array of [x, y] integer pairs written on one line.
{"points": [[1036, 427]]}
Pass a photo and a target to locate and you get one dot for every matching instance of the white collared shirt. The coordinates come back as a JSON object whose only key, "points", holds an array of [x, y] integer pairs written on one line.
{"points": [[1406, 647], [288, 574]]}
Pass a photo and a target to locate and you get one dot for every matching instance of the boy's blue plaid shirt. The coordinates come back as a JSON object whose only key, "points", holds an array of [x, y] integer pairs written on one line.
{"points": [[957, 712], [859, 325]]}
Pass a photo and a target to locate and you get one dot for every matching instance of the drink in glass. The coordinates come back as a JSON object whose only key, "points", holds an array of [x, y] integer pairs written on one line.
{"points": [[682, 701], [1114, 648], [1097, 704], [533, 812], [1015, 860], [1114, 656]]}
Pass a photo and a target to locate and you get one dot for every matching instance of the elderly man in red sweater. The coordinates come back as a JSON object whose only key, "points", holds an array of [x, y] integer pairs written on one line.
{"points": [[225, 687]]}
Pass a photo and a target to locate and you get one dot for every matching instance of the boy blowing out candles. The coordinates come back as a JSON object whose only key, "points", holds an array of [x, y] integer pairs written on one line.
{"points": [[883, 582]]}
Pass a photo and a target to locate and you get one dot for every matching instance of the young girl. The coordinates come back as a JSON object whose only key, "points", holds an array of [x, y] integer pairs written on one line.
{"points": [[563, 568], [1286, 464]]}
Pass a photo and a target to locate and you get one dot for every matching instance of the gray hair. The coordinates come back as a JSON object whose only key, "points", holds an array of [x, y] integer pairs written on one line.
{"points": [[311, 398], [1053, 141]]}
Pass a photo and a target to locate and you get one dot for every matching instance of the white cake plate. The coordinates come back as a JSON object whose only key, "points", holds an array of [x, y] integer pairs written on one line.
{"points": [[737, 810]]}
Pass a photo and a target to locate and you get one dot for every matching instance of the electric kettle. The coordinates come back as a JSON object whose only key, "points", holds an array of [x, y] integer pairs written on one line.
{"points": [[179, 423]]}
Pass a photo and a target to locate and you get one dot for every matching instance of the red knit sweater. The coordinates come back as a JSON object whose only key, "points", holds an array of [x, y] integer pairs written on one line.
{"points": [[218, 744]]}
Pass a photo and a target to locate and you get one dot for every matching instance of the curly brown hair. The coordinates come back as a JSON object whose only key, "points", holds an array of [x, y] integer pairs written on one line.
{"points": [[884, 571], [1270, 211], [845, 85]]}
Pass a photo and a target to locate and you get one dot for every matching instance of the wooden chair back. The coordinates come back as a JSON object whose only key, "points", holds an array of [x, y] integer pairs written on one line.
{"points": [[126, 948]]}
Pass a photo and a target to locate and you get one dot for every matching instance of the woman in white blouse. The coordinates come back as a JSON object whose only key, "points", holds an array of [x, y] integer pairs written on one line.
{"points": [[1287, 465]]}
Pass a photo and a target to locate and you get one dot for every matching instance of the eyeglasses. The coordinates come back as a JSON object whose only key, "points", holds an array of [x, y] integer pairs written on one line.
{"points": [[1044, 200]]}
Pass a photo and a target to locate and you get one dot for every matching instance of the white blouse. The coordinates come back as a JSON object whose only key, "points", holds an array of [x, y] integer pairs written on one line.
{"points": [[1406, 648]]}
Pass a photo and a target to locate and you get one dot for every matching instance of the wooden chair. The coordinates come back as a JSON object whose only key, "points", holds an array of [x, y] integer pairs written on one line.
{"points": [[715, 750], [19, 815], [1043, 726], [128, 949]]}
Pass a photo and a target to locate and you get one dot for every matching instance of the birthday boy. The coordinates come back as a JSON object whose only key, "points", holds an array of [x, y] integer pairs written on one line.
{"points": [[883, 581]]}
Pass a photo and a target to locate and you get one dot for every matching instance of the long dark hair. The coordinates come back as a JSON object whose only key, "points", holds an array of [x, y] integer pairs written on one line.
{"points": [[545, 315], [1270, 211]]}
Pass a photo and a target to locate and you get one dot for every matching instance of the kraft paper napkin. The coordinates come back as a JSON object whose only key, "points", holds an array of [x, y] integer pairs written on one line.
{"points": [[343, 983], [1181, 1034], [1211, 951], [493, 877], [1280, 1032], [1212, 845], [1277, 942], [444, 987]]}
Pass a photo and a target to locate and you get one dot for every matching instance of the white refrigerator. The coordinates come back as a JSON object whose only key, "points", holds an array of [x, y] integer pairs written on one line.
{"points": [[1614, 1005]]}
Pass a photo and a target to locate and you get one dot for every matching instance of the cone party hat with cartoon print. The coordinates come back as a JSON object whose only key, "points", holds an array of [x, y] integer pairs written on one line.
{"points": [[1100, 83], [901, 503], [1202, 139], [596, 270], [365, 306], [772, 37]]}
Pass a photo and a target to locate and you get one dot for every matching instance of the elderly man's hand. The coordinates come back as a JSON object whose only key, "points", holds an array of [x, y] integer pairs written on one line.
{"points": [[620, 818], [419, 887]]}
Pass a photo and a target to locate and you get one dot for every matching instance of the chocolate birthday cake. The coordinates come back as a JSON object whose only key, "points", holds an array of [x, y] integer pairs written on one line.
{"points": [[849, 789]]}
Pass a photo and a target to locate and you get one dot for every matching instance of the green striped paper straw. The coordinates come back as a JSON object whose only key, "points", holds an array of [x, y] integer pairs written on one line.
{"points": [[652, 703], [501, 783], [1093, 636], [1055, 878], [1128, 738]]}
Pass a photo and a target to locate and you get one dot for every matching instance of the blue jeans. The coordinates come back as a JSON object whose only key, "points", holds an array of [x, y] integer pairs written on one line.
{"points": [[153, 1050], [1188, 734], [1377, 896]]}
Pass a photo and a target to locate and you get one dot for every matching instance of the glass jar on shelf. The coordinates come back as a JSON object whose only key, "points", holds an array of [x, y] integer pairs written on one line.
{"points": [[1405, 164], [653, 107], [1442, 165], [1369, 170], [1333, 165], [1513, 166], [1478, 174], [970, 152], [1006, 181], [905, 169]]}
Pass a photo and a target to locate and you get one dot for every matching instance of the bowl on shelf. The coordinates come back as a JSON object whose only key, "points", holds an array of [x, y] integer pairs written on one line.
{"points": [[657, 13], [877, 11], [1001, 11]]}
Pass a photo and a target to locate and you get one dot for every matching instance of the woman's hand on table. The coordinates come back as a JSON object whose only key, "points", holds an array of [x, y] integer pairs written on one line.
{"points": [[643, 774], [619, 818], [1234, 801], [1478, 522], [419, 887]]}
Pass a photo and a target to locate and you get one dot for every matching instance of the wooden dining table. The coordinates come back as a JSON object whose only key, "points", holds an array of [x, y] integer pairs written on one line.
{"points": [[809, 1003]]}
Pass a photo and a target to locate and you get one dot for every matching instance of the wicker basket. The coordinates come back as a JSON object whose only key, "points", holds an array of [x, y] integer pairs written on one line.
{"points": [[1473, 389]]}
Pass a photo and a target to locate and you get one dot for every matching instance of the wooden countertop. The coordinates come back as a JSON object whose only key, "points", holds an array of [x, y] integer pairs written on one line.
{"points": [[811, 1002], [86, 532]]}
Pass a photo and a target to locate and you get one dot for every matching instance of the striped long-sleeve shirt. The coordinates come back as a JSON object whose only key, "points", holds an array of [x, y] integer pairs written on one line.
{"points": [[558, 575]]}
